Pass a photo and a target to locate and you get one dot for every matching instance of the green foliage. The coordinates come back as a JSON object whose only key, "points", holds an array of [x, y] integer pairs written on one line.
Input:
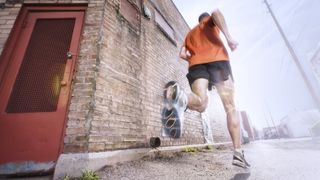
{"points": [[66, 178], [191, 150], [210, 147], [89, 175]]}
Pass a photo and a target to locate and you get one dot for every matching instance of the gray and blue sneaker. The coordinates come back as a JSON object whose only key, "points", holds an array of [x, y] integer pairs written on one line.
{"points": [[175, 103], [239, 160]]}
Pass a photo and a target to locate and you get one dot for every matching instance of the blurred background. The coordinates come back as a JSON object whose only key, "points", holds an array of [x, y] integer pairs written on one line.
{"points": [[277, 64]]}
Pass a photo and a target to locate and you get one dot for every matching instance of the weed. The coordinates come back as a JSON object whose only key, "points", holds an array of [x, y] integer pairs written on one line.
{"points": [[191, 150], [89, 175], [210, 148]]}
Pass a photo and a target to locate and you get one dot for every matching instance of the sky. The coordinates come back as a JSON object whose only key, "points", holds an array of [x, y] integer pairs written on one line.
{"points": [[267, 80]]}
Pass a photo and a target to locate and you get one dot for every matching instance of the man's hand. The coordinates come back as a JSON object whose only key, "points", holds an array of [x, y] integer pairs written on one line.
{"points": [[232, 44], [185, 53]]}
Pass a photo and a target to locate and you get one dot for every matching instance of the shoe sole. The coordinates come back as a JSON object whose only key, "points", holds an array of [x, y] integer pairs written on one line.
{"points": [[240, 164], [171, 122], [171, 115]]}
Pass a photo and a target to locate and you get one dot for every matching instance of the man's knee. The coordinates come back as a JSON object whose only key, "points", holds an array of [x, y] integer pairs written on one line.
{"points": [[229, 107], [226, 92], [203, 105], [228, 102], [202, 108]]}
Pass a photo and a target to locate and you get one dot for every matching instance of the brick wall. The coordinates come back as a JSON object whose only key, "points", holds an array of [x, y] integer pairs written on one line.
{"points": [[84, 85], [7, 19], [117, 89], [133, 69]]}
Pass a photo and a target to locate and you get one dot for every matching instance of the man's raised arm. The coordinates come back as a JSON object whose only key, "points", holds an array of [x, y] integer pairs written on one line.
{"points": [[219, 21]]}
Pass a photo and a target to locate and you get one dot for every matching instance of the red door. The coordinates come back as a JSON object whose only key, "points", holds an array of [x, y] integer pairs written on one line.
{"points": [[35, 85]]}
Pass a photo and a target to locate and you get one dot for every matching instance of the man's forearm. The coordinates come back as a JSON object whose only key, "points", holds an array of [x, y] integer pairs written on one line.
{"points": [[219, 21]]}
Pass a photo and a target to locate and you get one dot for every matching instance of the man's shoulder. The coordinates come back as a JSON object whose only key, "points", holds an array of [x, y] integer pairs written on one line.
{"points": [[209, 22], [199, 27], [194, 29]]}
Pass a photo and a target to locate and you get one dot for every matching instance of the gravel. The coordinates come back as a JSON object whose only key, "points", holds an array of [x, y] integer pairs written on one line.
{"points": [[207, 164]]}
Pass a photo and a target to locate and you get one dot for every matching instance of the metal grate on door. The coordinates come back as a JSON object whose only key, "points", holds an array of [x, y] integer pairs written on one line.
{"points": [[37, 86]]}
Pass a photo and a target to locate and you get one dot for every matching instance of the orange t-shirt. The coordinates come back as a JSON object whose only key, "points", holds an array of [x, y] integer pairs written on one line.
{"points": [[204, 44]]}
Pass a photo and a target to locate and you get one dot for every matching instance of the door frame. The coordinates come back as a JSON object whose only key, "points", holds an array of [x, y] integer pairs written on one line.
{"points": [[9, 50]]}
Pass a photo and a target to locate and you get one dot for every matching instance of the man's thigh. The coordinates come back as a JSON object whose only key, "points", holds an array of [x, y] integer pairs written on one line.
{"points": [[226, 92], [199, 87]]}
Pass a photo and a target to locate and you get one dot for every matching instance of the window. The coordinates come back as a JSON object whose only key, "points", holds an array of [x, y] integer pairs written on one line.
{"points": [[130, 11], [165, 27]]}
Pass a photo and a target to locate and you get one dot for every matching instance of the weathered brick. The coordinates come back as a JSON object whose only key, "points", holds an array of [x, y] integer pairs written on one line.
{"points": [[31, 1], [4, 13], [6, 27], [95, 147], [75, 147], [73, 131], [8, 17], [3, 21], [81, 1], [48, 1], [9, 22]]}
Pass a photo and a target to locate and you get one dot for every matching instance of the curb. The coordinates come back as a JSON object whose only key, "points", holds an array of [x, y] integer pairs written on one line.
{"points": [[72, 165]]}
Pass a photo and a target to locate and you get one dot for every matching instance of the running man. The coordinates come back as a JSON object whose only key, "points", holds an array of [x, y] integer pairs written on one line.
{"points": [[209, 66]]}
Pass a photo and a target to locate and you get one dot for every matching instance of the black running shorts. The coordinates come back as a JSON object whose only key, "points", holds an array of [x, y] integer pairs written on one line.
{"points": [[215, 72]]}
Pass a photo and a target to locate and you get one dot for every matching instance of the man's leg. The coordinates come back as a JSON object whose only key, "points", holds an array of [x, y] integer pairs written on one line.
{"points": [[226, 92], [198, 98]]}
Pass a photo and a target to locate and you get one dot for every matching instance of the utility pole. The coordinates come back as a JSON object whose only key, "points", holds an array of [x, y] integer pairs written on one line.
{"points": [[295, 58], [278, 134], [315, 54], [267, 123], [314, 63]]}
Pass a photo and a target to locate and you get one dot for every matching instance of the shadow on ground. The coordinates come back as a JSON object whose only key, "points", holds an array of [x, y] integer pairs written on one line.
{"points": [[241, 176]]}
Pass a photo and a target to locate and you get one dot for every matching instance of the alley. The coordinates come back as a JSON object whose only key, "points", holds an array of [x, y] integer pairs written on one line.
{"points": [[271, 159]]}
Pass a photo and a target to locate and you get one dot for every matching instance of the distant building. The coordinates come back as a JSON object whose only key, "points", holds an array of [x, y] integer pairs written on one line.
{"points": [[257, 134], [270, 133], [315, 130], [299, 124]]}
